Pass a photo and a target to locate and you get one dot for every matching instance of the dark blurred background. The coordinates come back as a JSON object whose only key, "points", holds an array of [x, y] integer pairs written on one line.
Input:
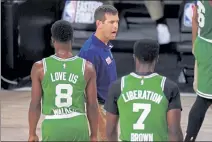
{"points": [[25, 38]]}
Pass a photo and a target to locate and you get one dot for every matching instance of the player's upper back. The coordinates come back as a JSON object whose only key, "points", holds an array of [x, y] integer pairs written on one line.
{"points": [[204, 11], [143, 105], [63, 84], [143, 89]]}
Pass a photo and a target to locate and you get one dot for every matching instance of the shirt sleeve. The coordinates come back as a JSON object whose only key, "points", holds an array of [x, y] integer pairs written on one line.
{"points": [[113, 95], [90, 56], [172, 93]]}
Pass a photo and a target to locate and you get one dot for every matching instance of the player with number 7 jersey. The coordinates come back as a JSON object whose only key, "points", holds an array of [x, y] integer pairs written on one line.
{"points": [[64, 83], [142, 106], [146, 104]]}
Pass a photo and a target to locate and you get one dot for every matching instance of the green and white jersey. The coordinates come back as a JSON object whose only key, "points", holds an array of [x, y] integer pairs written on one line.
{"points": [[63, 86], [142, 103], [204, 11]]}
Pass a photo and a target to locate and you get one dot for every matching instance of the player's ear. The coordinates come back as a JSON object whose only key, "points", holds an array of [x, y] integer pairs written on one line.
{"points": [[52, 42], [134, 57], [157, 59]]}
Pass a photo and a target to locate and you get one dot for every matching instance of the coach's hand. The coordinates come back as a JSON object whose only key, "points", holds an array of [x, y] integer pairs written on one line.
{"points": [[33, 138], [93, 138]]}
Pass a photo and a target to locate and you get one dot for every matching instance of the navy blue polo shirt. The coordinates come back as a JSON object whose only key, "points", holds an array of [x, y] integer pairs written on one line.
{"points": [[99, 54]]}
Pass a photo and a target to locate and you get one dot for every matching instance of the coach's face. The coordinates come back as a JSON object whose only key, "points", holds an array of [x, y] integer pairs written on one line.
{"points": [[110, 26]]}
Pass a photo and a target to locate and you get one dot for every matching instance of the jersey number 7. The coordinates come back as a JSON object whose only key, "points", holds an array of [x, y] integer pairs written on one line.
{"points": [[139, 125]]}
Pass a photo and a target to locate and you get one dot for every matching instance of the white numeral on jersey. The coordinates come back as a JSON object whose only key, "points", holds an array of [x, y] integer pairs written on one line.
{"points": [[67, 95], [139, 125], [201, 12]]}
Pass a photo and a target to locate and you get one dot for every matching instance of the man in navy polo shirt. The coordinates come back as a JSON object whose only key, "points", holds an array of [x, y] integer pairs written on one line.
{"points": [[97, 50]]}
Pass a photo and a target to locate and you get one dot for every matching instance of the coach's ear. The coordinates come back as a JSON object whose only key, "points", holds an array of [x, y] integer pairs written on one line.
{"points": [[98, 24]]}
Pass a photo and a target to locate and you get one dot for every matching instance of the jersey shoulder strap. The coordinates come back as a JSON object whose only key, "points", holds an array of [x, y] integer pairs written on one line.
{"points": [[44, 65], [163, 82], [46, 62], [124, 80], [83, 65], [122, 83]]}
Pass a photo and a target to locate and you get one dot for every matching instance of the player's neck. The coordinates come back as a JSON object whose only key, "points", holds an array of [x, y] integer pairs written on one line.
{"points": [[64, 54], [101, 37], [143, 69]]}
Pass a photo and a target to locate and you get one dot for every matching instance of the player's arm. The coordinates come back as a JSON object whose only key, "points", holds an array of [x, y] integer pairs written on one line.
{"points": [[112, 114], [91, 96], [174, 111], [194, 25], [175, 131], [36, 94]]}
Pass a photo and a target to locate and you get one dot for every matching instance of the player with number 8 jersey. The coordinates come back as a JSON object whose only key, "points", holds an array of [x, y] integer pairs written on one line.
{"points": [[64, 83], [63, 97], [146, 103], [63, 86]]}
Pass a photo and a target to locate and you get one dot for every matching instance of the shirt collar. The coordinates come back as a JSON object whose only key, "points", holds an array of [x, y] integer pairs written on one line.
{"points": [[98, 42]]}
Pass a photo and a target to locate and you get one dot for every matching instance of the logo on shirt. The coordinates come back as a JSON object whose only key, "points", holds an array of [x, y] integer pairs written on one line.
{"points": [[108, 60], [142, 82], [64, 66], [110, 46]]}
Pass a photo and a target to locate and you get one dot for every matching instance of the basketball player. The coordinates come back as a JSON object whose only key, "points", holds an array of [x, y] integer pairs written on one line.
{"points": [[147, 104], [97, 50], [202, 50], [59, 81]]}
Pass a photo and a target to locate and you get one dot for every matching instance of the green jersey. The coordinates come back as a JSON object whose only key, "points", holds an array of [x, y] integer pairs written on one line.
{"points": [[204, 11], [63, 86], [142, 106]]}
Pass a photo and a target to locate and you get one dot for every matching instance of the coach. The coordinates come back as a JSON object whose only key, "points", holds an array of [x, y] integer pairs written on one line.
{"points": [[97, 50]]}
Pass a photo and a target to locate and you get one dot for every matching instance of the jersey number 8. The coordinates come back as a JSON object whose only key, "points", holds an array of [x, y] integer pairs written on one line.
{"points": [[139, 125], [66, 95]]}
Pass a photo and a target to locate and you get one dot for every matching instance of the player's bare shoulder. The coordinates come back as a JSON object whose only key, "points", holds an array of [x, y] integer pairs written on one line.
{"points": [[37, 69], [89, 70]]}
